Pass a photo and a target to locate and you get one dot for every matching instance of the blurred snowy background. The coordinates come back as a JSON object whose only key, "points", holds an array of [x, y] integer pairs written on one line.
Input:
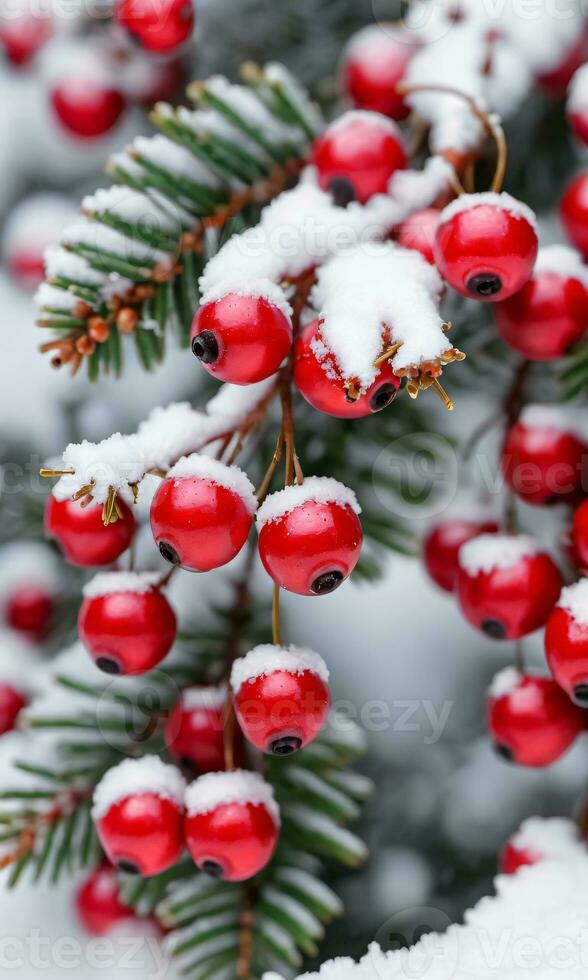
{"points": [[404, 662]]}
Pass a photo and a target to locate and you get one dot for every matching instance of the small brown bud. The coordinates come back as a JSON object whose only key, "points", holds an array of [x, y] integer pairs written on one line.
{"points": [[85, 345], [98, 329], [83, 310], [127, 319]]}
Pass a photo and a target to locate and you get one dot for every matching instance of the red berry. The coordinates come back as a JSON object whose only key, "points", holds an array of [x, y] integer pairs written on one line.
{"points": [[512, 858], [138, 809], [577, 104], [558, 78], [566, 642], [574, 213], [374, 63], [506, 585], [11, 704], [357, 155], [579, 543], [202, 513], [30, 610], [543, 459], [530, 719], [98, 905], [81, 536], [232, 824], [281, 697], [195, 728], [319, 383], [241, 339], [418, 232], [158, 27], [486, 245], [23, 33], [442, 543], [127, 624], [86, 108], [539, 838], [550, 313], [310, 536]]}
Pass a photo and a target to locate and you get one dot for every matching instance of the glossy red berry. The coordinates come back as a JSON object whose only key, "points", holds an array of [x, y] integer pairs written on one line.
{"points": [[30, 609], [80, 534], [566, 642], [442, 543], [232, 824], [539, 838], [194, 730], [281, 697], [356, 156], [374, 63], [530, 719], [574, 213], [11, 704], [319, 383], [241, 339], [85, 108], [23, 34], [202, 513], [98, 904], [579, 536], [512, 858], [486, 245], [418, 232], [158, 27], [310, 536], [544, 458], [550, 313], [506, 585], [126, 623], [138, 811]]}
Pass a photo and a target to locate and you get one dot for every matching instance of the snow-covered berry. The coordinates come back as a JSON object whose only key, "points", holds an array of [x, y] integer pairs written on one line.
{"points": [[23, 32], [12, 701], [310, 536], [539, 838], [194, 729], [30, 609], [507, 585], [158, 27], [98, 904], [544, 456], [281, 697], [32, 227], [486, 245], [86, 108], [374, 62], [442, 543], [357, 155], [577, 104], [550, 313], [574, 213], [138, 808], [566, 641], [241, 339], [232, 824], [418, 232], [80, 535], [319, 383], [531, 721], [125, 622], [202, 513]]}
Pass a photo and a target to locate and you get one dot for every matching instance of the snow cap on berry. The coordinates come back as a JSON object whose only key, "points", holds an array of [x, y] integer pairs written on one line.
{"points": [[105, 583], [562, 261], [239, 786], [319, 489], [578, 91], [504, 682], [574, 599], [556, 418], [28, 563], [136, 776], [203, 697], [369, 117], [551, 837], [230, 477], [490, 551], [267, 658], [113, 463], [502, 201]]}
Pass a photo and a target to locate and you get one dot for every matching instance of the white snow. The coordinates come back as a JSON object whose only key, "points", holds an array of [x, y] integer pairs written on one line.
{"points": [[28, 563], [558, 418], [370, 118], [95, 235], [502, 201], [130, 206], [553, 837], [231, 477], [364, 292], [238, 786], [504, 682], [279, 76], [268, 658], [106, 583], [115, 462], [176, 159], [59, 262], [578, 91], [237, 285], [417, 189], [320, 489], [249, 108], [203, 697], [55, 298], [574, 599], [562, 261], [488, 552], [377, 45], [133, 777], [36, 223]]}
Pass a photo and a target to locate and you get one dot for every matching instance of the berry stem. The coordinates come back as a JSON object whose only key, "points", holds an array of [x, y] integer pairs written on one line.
{"points": [[276, 621], [246, 919]]}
